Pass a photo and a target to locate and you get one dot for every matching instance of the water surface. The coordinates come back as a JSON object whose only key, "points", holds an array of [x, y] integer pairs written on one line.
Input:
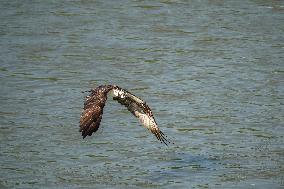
{"points": [[212, 71]]}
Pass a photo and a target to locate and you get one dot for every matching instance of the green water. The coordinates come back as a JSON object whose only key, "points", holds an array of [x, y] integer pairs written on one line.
{"points": [[212, 71]]}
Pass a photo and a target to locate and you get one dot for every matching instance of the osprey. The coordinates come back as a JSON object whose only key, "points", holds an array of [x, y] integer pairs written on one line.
{"points": [[95, 102]]}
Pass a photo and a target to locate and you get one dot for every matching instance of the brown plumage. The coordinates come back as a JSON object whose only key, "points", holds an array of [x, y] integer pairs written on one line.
{"points": [[95, 102]]}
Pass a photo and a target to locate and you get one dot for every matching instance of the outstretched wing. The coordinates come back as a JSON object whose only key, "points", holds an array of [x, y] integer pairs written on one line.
{"points": [[139, 109], [95, 102], [93, 110]]}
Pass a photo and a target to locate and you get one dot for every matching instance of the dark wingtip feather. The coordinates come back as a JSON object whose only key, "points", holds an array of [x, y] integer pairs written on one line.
{"points": [[84, 134], [161, 137]]}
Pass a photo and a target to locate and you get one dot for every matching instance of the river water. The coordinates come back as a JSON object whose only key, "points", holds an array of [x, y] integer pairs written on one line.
{"points": [[211, 70]]}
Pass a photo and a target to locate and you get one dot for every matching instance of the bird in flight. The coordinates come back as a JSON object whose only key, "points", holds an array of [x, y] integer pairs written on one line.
{"points": [[95, 102]]}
